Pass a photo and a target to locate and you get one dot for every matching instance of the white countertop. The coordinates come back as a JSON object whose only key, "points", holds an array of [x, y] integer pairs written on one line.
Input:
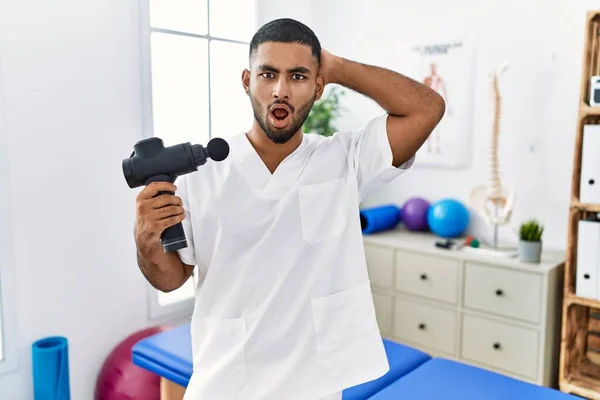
{"points": [[424, 242]]}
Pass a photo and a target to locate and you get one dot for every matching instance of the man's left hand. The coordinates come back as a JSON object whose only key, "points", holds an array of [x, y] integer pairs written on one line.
{"points": [[328, 66]]}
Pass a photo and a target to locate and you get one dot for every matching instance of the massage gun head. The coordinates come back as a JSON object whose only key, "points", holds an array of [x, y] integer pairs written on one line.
{"points": [[151, 160]]}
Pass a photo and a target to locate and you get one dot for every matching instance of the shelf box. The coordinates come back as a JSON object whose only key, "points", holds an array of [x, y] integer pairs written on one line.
{"points": [[581, 350], [591, 61]]}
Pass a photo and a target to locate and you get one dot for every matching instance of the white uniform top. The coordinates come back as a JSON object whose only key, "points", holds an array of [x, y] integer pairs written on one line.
{"points": [[283, 308]]}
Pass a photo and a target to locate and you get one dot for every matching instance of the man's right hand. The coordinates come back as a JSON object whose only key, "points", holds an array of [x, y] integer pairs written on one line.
{"points": [[155, 214]]}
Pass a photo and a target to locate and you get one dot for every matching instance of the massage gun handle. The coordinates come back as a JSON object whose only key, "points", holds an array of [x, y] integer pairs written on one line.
{"points": [[173, 238]]}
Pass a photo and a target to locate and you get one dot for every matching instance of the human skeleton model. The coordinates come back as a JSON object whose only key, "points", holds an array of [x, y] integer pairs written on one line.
{"points": [[493, 194]]}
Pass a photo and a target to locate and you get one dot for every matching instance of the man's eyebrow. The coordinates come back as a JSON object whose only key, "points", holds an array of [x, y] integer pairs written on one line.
{"points": [[295, 70], [265, 67], [300, 70]]}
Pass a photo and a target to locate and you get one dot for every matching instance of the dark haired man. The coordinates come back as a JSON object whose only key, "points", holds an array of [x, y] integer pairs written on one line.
{"points": [[283, 306]]}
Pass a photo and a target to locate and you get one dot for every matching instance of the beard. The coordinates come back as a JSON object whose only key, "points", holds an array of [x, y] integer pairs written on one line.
{"points": [[277, 135]]}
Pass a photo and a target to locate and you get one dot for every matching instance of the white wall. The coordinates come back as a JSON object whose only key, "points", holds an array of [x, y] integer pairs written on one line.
{"points": [[70, 71], [544, 42], [70, 75], [272, 9]]}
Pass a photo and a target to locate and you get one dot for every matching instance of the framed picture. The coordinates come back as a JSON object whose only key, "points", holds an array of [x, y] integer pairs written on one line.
{"points": [[448, 67]]}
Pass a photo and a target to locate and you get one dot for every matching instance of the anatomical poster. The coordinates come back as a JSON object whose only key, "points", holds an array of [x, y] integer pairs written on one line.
{"points": [[448, 68]]}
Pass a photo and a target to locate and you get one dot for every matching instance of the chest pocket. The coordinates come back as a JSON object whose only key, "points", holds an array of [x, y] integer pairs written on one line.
{"points": [[322, 210]]}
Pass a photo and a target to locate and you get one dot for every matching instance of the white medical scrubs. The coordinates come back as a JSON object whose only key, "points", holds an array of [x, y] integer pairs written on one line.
{"points": [[283, 308]]}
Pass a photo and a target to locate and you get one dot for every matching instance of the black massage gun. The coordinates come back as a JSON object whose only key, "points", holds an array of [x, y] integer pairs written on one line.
{"points": [[151, 162]]}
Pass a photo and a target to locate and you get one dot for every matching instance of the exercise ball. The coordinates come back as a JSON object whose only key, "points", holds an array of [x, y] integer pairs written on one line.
{"points": [[414, 214], [448, 218], [120, 379]]}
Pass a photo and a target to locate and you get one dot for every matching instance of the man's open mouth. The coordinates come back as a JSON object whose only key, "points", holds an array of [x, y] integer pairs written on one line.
{"points": [[280, 116], [280, 113]]}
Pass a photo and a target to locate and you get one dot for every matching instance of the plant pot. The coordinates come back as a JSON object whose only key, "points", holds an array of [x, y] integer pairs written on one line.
{"points": [[530, 252]]}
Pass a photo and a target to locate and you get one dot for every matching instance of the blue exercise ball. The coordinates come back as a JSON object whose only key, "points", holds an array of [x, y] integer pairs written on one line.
{"points": [[448, 218]]}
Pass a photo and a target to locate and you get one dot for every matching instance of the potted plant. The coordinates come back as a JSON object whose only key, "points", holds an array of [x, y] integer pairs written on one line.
{"points": [[323, 113], [530, 241]]}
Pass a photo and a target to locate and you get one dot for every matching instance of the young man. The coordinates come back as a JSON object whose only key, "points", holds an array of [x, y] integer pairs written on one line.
{"points": [[283, 306]]}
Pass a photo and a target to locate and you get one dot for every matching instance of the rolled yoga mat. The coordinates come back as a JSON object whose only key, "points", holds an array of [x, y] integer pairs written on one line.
{"points": [[50, 358], [379, 218]]}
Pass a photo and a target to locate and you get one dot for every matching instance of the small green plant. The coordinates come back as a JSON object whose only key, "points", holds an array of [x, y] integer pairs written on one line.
{"points": [[324, 112], [531, 231]]}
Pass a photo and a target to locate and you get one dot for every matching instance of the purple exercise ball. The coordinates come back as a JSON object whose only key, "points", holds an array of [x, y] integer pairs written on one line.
{"points": [[414, 214]]}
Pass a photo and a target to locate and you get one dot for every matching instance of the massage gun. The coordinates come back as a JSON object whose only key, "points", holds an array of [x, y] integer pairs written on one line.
{"points": [[151, 161]]}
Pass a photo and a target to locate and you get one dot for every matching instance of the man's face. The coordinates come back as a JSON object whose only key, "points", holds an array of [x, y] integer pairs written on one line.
{"points": [[283, 84]]}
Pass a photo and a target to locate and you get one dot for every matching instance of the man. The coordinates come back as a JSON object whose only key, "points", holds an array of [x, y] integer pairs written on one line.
{"points": [[283, 306]]}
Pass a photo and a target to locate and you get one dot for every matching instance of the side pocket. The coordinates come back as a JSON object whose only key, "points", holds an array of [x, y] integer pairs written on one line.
{"points": [[345, 324], [322, 210], [218, 348]]}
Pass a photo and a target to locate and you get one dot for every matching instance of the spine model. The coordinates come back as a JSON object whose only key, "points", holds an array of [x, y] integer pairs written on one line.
{"points": [[495, 192], [492, 201]]}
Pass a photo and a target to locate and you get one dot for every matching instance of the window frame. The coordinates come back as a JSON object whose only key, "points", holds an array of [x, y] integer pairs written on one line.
{"points": [[8, 304], [183, 308]]}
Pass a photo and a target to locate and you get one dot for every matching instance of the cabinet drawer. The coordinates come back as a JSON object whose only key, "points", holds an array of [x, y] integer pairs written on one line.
{"points": [[510, 293], [428, 276], [380, 264], [502, 346], [383, 311], [425, 325]]}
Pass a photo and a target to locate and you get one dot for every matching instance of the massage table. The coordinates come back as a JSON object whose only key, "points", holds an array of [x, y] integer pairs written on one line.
{"points": [[441, 378], [169, 355], [413, 374]]}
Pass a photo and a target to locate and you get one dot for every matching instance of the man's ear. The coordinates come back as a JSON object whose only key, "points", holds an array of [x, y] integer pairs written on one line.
{"points": [[246, 80], [320, 86]]}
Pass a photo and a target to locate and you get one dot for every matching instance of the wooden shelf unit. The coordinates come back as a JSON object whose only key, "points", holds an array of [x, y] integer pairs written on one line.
{"points": [[579, 369]]}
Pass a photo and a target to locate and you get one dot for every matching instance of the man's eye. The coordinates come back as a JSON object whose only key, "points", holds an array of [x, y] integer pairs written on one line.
{"points": [[298, 77], [267, 75]]}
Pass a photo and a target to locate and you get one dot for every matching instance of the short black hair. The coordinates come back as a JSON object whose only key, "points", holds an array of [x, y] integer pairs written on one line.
{"points": [[286, 30]]}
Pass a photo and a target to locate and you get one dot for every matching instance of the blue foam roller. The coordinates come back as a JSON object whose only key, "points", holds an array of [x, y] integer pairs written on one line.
{"points": [[379, 218], [50, 358]]}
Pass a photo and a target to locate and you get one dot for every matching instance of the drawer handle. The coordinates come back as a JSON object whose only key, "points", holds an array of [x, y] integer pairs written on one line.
{"points": [[497, 346], [423, 277], [499, 292], [421, 326]]}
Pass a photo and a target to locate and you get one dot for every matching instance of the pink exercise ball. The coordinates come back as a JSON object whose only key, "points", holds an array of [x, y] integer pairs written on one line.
{"points": [[121, 379]]}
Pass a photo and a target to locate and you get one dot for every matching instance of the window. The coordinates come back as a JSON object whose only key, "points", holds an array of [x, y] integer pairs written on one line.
{"points": [[194, 52], [8, 312]]}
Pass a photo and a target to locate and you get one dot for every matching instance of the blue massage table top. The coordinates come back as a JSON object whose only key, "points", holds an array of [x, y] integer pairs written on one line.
{"points": [[167, 354], [402, 359], [449, 380]]}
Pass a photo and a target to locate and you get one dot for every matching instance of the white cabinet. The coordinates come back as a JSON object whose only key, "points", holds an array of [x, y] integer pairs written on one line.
{"points": [[495, 313]]}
